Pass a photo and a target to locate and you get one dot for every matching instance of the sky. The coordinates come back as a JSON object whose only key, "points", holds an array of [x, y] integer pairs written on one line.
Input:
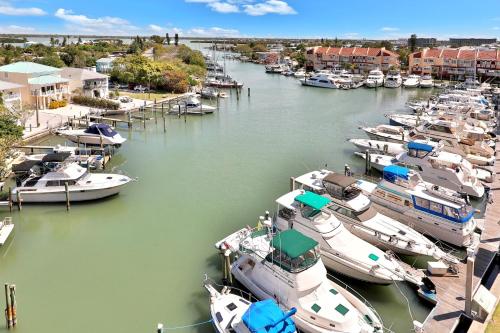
{"points": [[380, 19]]}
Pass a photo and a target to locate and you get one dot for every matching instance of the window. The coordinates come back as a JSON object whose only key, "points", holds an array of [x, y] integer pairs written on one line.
{"points": [[52, 183], [436, 207], [341, 309], [450, 212], [231, 306], [423, 203]]}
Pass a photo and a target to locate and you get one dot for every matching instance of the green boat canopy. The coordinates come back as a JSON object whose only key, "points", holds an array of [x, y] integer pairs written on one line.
{"points": [[293, 243], [313, 200]]}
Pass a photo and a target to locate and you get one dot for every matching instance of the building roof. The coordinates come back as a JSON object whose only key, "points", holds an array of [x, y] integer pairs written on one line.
{"points": [[467, 54], [46, 79], [81, 74], [293, 243], [488, 55], [28, 68], [9, 85]]}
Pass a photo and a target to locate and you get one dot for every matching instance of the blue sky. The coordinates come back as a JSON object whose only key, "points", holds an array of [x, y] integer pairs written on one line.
{"points": [[382, 19]]}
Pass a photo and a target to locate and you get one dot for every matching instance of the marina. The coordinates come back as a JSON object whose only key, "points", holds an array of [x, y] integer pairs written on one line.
{"points": [[199, 186]]}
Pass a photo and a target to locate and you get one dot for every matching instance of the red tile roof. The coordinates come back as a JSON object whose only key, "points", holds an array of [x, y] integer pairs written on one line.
{"points": [[333, 51], [449, 53], [360, 51], [488, 55], [346, 51], [467, 54], [433, 53]]}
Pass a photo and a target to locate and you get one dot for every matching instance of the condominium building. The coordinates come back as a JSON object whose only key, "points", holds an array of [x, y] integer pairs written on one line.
{"points": [[39, 84], [457, 42], [457, 63], [86, 82], [358, 59]]}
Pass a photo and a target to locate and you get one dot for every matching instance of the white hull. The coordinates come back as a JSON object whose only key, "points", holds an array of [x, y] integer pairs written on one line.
{"points": [[382, 137], [319, 84], [5, 232], [374, 84], [93, 140]]}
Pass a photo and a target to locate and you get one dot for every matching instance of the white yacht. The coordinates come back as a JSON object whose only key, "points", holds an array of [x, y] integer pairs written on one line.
{"points": [[300, 74], [192, 105], [378, 161], [387, 133], [275, 69], [393, 80], [412, 81], [444, 169], [375, 79], [6, 228], [351, 206], [82, 185], [232, 313], [426, 81], [344, 78], [341, 251], [321, 81], [95, 135], [377, 146], [287, 267], [430, 209]]}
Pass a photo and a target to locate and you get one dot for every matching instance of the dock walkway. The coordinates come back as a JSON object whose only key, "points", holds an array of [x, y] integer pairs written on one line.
{"points": [[451, 289]]}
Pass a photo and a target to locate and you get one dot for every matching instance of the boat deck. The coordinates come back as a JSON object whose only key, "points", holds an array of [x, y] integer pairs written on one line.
{"points": [[451, 289]]}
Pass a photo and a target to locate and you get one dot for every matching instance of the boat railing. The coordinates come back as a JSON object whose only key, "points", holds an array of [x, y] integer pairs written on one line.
{"points": [[243, 293]]}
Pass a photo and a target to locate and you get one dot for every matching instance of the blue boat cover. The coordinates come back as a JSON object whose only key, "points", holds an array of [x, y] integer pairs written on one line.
{"points": [[101, 129], [266, 317], [392, 172], [420, 146]]}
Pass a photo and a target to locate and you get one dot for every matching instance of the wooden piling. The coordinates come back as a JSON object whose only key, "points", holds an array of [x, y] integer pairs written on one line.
{"points": [[292, 183], [228, 266], [248, 91], [19, 203], [129, 119], [10, 199], [159, 328], [468, 285], [367, 162], [13, 307], [66, 191], [8, 310]]}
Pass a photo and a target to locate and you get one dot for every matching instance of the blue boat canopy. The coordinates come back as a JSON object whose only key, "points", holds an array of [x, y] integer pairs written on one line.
{"points": [[392, 172], [101, 129], [266, 317], [420, 146]]}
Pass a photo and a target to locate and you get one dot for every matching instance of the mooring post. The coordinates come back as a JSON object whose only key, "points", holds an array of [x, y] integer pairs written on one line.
{"points": [[292, 183], [66, 191], [10, 199], [367, 162], [144, 115], [13, 304], [179, 111], [228, 266], [248, 91], [468, 285], [8, 313], [129, 119], [19, 203], [159, 328]]}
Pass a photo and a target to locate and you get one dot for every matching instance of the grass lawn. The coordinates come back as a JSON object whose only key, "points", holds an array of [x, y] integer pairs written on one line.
{"points": [[148, 96], [494, 325]]}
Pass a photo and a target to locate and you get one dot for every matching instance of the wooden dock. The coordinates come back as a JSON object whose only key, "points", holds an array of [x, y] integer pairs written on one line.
{"points": [[451, 290]]}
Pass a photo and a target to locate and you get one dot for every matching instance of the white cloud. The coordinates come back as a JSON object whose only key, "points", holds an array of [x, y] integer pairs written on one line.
{"points": [[212, 32], [223, 7], [388, 29], [100, 25], [269, 7], [351, 35], [7, 9], [156, 28], [16, 29], [495, 28]]}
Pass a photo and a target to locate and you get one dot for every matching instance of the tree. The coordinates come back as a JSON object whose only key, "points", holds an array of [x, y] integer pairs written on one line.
{"points": [[168, 39], [176, 39], [157, 39], [413, 42], [10, 134], [386, 44], [52, 60], [52, 41], [64, 41], [79, 40]]}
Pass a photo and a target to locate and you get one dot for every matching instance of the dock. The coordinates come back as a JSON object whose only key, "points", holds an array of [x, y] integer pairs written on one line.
{"points": [[451, 290]]}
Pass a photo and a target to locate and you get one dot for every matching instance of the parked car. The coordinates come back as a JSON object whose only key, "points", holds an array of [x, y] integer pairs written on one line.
{"points": [[140, 88], [125, 99]]}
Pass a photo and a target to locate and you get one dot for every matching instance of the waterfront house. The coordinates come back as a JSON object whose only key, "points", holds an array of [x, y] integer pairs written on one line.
{"points": [[87, 82], [455, 63], [359, 59], [40, 84], [104, 65], [11, 94]]}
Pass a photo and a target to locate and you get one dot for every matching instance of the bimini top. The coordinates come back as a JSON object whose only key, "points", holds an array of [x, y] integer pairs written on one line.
{"points": [[313, 200], [339, 179], [420, 146], [293, 243], [392, 172], [266, 317], [101, 129]]}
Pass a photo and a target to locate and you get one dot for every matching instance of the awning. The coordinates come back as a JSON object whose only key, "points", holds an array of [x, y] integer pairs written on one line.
{"points": [[313, 200]]}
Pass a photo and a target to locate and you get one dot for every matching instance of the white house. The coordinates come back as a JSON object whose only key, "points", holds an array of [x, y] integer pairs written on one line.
{"points": [[92, 84]]}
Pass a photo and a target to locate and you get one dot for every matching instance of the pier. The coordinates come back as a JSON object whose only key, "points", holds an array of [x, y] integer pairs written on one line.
{"points": [[451, 290]]}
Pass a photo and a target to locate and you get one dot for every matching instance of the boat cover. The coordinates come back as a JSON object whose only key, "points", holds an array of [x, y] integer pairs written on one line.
{"points": [[313, 200], [420, 146], [101, 129], [392, 172], [266, 317], [339, 179], [293, 243]]}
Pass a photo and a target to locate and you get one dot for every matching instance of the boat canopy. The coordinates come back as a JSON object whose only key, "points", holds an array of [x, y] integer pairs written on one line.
{"points": [[266, 317], [392, 172], [101, 129], [293, 243], [420, 146], [313, 200], [339, 179]]}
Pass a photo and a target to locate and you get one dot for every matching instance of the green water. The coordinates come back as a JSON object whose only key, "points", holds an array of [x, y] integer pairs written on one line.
{"points": [[126, 263]]}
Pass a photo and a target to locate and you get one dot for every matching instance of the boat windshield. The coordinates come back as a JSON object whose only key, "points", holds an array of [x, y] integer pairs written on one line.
{"points": [[366, 214], [294, 265], [460, 215]]}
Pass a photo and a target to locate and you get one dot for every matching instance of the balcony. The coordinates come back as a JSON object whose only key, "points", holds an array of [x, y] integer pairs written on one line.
{"points": [[95, 84], [11, 97], [49, 92]]}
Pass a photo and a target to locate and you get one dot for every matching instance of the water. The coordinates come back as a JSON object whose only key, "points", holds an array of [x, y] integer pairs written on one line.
{"points": [[129, 262]]}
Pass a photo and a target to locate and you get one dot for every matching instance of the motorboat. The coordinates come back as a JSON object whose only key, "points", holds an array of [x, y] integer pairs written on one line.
{"points": [[6, 228], [209, 92], [81, 185], [445, 169], [393, 79], [94, 135], [387, 133], [377, 146], [351, 206], [287, 267], [192, 105], [412, 81], [433, 210], [378, 161], [426, 81], [341, 251], [232, 313], [345, 78], [274, 69], [222, 81], [300, 74], [375, 79], [321, 81]]}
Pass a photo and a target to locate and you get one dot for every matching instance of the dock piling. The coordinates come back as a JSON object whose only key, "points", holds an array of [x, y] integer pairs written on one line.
{"points": [[10, 199], [8, 310], [13, 310], [468, 285], [367, 162], [19, 199], [66, 191], [159, 328], [248, 91]]}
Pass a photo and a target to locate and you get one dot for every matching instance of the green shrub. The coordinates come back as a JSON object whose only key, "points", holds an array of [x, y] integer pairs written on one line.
{"points": [[98, 103]]}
